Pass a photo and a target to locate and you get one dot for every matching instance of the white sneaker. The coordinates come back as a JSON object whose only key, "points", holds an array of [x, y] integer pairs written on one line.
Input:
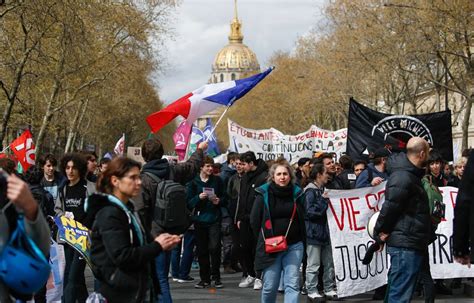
{"points": [[332, 294], [246, 282], [257, 285], [315, 295]]}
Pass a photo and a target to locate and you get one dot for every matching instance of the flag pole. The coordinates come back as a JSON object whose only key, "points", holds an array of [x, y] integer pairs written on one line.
{"points": [[218, 121], [188, 143]]}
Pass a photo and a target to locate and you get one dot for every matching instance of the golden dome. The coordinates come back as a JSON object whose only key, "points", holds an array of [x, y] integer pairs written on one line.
{"points": [[236, 57]]}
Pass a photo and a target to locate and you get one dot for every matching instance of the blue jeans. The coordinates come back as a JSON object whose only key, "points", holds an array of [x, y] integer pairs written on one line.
{"points": [[405, 265], [162, 270], [289, 262], [181, 265]]}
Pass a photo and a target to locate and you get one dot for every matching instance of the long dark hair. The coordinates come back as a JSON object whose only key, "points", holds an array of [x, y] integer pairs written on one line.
{"points": [[118, 167], [80, 163]]}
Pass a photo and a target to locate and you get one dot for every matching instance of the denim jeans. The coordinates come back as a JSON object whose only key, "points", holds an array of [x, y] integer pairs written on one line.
{"points": [[319, 255], [208, 244], [289, 262], [181, 264], [162, 270], [405, 265]]}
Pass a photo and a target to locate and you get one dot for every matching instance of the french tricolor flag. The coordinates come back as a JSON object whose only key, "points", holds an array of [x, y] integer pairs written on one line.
{"points": [[204, 100]]}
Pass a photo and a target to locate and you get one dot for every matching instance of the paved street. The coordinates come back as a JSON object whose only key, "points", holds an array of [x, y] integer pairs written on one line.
{"points": [[231, 293]]}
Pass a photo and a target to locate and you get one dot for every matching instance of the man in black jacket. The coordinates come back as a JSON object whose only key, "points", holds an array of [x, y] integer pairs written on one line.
{"points": [[256, 174], [404, 222], [152, 151]]}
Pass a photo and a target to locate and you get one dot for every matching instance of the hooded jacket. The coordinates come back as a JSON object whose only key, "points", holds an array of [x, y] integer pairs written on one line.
{"points": [[316, 220], [120, 256], [262, 259], [405, 214], [364, 179], [181, 173], [226, 173], [249, 182], [204, 211]]}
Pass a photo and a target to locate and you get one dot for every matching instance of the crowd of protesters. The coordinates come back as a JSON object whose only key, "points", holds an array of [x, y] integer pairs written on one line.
{"points": [[236, 209]]}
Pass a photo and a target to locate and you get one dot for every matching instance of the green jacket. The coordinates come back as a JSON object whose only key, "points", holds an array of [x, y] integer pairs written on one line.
{"points": [[204, 211]]}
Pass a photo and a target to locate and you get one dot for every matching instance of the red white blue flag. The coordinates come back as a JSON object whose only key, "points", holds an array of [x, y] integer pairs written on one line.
{"points": [[204, 100]]}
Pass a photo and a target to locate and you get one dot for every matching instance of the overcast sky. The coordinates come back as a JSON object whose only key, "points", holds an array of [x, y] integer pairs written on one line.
{"points": [[201, 28]]}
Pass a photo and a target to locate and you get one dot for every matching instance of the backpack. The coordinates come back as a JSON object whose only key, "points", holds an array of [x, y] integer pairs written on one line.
{"points": [[435, 199], [171, 212]]}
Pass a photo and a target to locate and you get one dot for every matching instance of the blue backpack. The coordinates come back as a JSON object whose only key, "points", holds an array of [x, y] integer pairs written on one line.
{"points": [[23, 266]]}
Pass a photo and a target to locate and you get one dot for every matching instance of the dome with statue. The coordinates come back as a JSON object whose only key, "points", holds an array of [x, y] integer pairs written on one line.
{"points": [[236, 60]]}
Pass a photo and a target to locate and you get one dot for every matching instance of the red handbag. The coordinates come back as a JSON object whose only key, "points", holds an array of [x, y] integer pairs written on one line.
{"points": [[278, 243]]}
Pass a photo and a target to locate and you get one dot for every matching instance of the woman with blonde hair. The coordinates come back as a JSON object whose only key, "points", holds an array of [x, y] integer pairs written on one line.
{"points": [[277, 219]]}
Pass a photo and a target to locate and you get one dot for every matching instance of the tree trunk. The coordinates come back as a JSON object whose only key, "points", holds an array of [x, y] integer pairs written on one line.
{"points": [[47, 117], [75, 125], [11, 96]]}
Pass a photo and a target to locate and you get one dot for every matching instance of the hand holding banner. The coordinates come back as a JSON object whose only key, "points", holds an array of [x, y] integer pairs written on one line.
{"points": [[75, 234]]}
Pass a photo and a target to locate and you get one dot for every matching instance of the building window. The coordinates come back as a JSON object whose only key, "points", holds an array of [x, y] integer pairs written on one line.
{"points": [[232, 76], [222, 78]]}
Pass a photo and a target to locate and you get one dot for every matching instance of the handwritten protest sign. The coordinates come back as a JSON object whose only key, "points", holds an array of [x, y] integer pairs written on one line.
{"points": [[270, 144], [74, 234], [348, 214]]}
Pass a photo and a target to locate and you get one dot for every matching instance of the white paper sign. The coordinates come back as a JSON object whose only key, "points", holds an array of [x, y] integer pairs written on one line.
{"points": [[270, 144], [135, 153], [348, 214]]}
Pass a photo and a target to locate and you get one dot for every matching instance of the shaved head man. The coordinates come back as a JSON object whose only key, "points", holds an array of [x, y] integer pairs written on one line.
{"points": [[404, 223], [418, 151]]}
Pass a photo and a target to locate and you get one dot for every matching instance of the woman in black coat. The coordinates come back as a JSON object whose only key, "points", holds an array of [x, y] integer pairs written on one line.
{"points": [[120, 256]]}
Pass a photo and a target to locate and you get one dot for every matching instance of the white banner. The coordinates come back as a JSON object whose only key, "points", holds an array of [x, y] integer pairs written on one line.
{"points": [[348, 214], [270, 144]]}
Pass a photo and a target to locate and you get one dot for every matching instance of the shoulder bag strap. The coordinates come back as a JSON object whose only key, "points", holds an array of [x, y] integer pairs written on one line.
{"points": [[291, 219]]}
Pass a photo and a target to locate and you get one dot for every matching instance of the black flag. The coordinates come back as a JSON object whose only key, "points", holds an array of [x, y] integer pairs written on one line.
{"points": [[368, 130]]}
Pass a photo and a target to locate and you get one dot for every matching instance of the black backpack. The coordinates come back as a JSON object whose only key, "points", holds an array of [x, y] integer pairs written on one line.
{"points": [[171, 212]]}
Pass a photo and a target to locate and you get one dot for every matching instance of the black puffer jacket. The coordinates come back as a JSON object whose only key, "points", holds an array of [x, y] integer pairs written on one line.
{"points": [[120, 262], [405, 214], [249, 182]]}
